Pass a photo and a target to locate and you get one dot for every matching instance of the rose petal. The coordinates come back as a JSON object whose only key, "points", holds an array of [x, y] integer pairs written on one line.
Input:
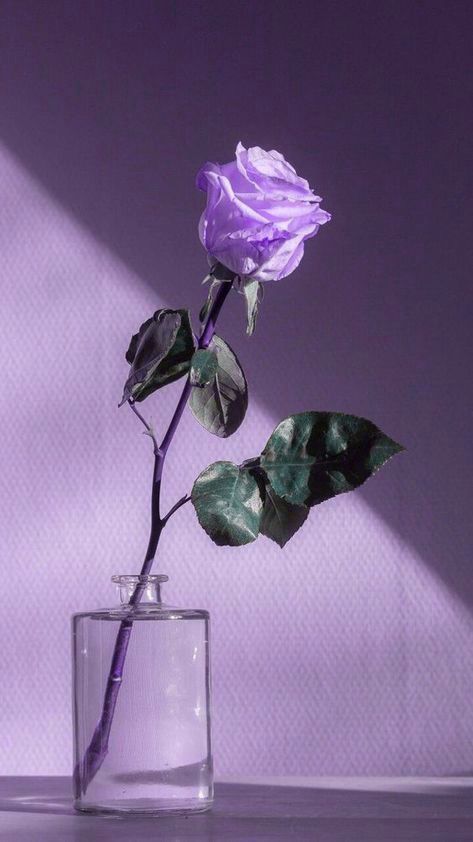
{"points": [[259, 213]]}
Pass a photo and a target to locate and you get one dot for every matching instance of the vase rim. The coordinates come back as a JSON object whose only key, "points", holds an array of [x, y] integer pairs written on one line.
{"points": [[139, 579]]}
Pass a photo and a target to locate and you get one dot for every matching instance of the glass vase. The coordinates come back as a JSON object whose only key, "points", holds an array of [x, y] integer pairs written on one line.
{"points": [[141, 705]]}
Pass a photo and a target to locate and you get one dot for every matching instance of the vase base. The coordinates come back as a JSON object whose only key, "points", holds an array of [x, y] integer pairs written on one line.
{"points": [[156, 808]]}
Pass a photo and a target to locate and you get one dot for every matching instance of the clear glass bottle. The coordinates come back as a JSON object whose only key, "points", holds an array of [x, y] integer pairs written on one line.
{"points": [[141, 705]]}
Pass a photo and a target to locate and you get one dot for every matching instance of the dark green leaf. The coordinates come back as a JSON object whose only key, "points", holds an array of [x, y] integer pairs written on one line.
{"points": [[204, 366], [214, 284], [148, 347], [313, 456], [159, 353], [253, 291], [221, 405], [221, 272], [228, 504], [177, 362], [280, 519]]}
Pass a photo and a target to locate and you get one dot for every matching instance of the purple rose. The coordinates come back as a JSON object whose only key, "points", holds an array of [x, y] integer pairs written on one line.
{"points": [[259, 214]]}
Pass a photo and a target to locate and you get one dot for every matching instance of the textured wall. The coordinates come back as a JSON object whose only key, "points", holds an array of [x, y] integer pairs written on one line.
{"points": [[351, 651]]}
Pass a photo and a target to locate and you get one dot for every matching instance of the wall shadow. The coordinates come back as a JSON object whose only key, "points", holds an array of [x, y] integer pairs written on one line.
{"points": [[114, 107]]}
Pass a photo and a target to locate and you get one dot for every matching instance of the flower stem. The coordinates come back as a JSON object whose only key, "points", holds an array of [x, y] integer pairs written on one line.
{"points": [[96, 752], [176, 506]]}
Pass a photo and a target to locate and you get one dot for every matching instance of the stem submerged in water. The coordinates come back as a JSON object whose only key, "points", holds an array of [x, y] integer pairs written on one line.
{"points": [[98, 747]]}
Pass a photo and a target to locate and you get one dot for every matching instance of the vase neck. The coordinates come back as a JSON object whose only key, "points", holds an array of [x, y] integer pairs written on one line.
{"points": [[139, 589]]}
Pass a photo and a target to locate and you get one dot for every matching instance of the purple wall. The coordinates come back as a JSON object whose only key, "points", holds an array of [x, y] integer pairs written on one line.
{"points": [[351, 652]]}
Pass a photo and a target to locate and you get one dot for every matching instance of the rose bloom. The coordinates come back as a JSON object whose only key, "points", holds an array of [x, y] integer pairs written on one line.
{"points": [[259, 214]]}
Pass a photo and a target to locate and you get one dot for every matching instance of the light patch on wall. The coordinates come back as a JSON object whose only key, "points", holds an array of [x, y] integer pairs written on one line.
{"points": [[342, 655]]}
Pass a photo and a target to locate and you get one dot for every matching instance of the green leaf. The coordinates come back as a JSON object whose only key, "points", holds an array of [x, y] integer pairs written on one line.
{"points": [[159, 353], [253, 292], [228, 504], [204, 365], [221, 405], [205, 310], [313, 456], [280, 519], [221, 272], [177, 362]]}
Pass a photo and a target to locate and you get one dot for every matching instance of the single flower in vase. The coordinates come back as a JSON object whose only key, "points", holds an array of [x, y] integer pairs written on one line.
{"points": [[259, 214]]}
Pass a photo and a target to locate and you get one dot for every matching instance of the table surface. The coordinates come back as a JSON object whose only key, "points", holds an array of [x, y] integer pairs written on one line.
{"points": [[38, 809]]}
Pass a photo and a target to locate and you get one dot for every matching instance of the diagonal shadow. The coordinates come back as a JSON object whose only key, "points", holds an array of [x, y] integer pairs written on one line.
{"points": [[113, 108], [356, 798]]}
